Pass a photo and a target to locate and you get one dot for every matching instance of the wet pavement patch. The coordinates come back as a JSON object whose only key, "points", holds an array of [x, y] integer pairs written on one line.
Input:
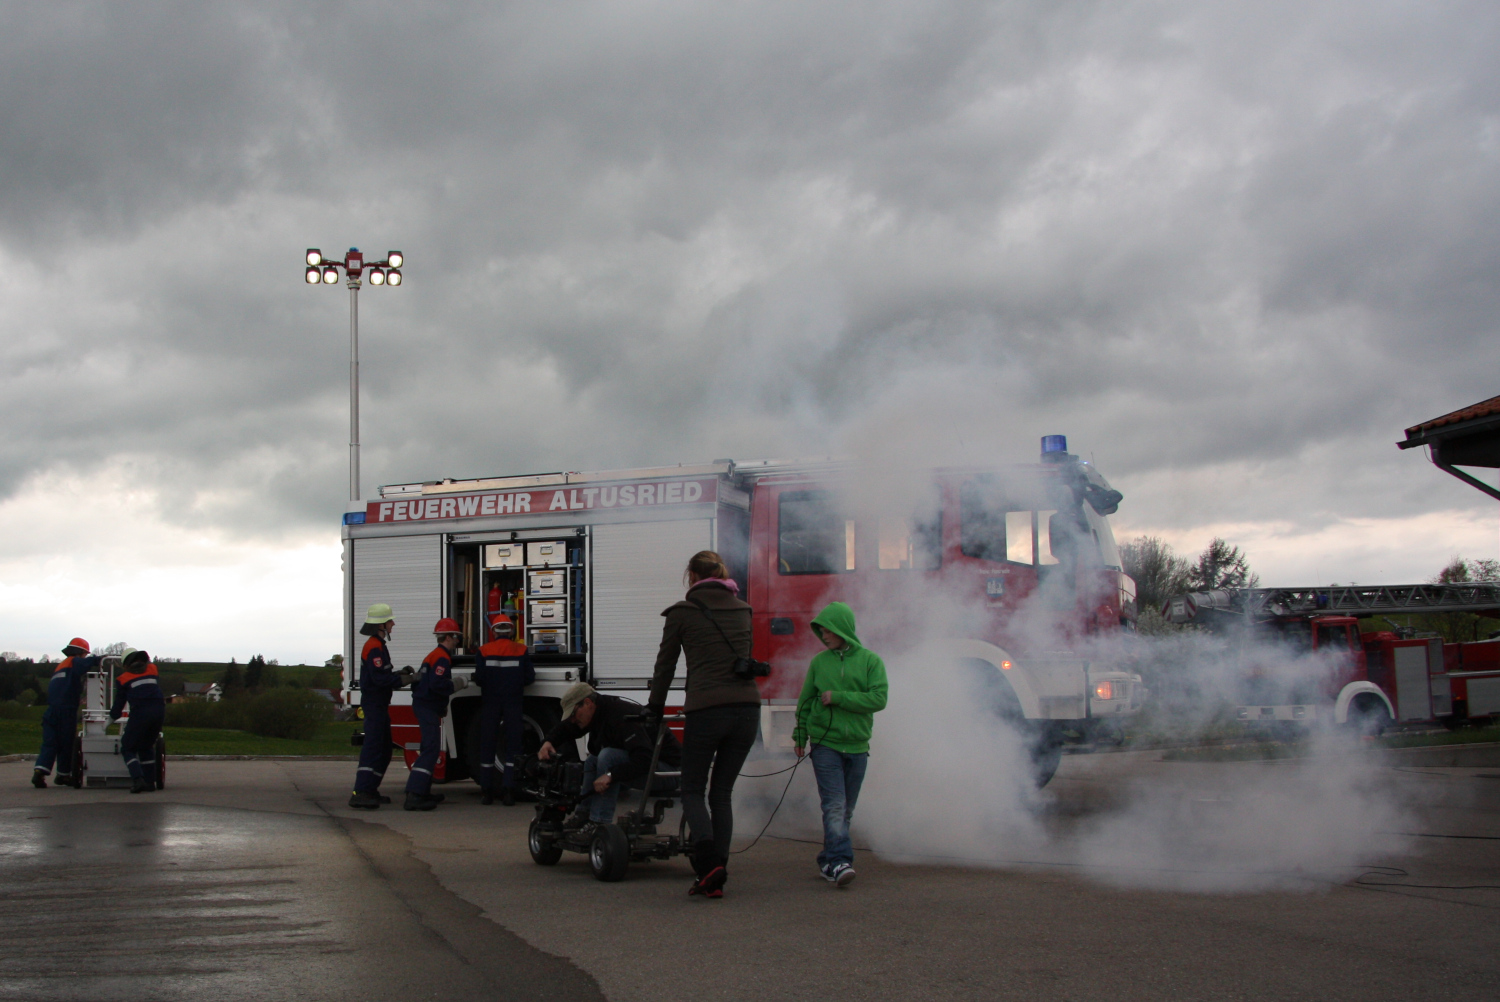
{"points": [[164, 901]]}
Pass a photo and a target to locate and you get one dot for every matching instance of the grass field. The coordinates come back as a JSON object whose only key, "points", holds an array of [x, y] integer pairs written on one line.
{"points": [[25, 737]]}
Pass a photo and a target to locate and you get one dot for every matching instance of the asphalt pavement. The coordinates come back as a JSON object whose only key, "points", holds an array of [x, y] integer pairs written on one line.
{"points": [[253, 880]]}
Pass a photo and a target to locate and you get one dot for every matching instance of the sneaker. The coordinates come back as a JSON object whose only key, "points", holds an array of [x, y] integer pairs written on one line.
{"points": [[361, 801], [826, 872], [711, 882], [843, 875], [714, 895], [39, 779], [417, 802]]}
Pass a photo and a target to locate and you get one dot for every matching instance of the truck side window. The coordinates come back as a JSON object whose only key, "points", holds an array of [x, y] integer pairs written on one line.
{"points": [[813, 536], [909, 543], [1333, 638], [991, 528]]}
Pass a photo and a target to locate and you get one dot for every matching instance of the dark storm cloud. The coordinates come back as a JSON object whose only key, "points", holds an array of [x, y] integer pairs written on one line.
{"points": [[1262, 234]]}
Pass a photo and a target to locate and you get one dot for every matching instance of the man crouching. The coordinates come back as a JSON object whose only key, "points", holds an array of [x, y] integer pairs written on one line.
{"points": [[621, 740]]}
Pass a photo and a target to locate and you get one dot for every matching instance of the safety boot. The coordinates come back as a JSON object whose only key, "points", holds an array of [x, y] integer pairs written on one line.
{"points": [[137, 785], [508, 796], [487, 799], [363, 801], [39, 779], [417, 802]]}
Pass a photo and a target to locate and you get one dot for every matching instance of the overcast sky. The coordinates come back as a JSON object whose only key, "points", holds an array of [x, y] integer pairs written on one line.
{"points": [[1231, 250]]}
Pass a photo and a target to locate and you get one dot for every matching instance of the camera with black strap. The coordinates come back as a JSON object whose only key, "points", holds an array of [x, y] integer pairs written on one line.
{"points": [[744, 667]]}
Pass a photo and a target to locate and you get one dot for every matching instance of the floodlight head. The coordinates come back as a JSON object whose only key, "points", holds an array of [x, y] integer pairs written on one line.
{"points": [[377, 277], [330, 276], [396, 258], [393, 277], [314, 257], [314, 276]]}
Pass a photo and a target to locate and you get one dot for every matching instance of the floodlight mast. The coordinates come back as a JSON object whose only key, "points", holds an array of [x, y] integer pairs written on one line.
{"points": [[321, 271]]}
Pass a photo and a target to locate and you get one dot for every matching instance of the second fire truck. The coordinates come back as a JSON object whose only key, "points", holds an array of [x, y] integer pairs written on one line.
{"points": [[1310, 663]]}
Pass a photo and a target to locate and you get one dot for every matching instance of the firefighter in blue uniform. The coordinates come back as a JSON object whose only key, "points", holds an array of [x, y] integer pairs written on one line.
{"points": [[60, 721], [148, 707], [503, 671], [378, 678], [429, 701]]}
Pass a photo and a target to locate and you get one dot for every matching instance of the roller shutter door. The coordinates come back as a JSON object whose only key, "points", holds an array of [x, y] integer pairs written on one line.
{"points": [[637, 572], [407, 573]]}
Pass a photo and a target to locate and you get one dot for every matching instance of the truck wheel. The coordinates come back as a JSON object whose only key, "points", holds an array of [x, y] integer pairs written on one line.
{"points": [[1046, 755], [609, 853], [543, 852], [1368, 718]]}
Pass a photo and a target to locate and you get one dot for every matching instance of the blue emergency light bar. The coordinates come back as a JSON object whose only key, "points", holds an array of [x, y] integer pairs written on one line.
{"points": [[1054, 443], [354, 518]]}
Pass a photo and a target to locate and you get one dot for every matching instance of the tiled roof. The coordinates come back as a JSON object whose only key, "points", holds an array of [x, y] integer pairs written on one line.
{"points": [[1482, 409]]}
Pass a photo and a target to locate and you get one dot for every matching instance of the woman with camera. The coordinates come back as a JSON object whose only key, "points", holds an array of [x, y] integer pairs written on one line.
{"points": [[710, 627]]}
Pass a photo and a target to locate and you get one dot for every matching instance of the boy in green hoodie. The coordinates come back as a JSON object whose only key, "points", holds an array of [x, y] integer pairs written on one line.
{"points": [[844, 688]]}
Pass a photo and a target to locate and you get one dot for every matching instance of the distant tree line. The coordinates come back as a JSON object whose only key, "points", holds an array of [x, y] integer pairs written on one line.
{"points": [[1159, 573]]}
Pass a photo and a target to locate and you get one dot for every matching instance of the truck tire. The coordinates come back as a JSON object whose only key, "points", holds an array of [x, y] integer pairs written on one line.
{"points": [[1368, 717], [538, 717], [543, 853], [1046, 756], [609, 853]]}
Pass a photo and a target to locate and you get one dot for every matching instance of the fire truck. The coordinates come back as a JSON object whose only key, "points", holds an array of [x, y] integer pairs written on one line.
{"points": [[1310, 663], [585, 563]]}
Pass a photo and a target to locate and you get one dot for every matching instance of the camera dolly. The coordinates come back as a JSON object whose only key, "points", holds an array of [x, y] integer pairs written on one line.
{"points": [[611, 846]]}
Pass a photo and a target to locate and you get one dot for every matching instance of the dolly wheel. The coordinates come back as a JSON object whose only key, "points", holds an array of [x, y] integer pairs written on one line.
{"points": [[609, 853], [75, 778], [543, 853]]}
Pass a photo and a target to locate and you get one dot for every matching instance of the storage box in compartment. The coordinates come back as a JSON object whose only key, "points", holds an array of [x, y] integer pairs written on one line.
{"points": [[547, 612], [541, 583], [498, 555], [545, 640], [548, 553]]}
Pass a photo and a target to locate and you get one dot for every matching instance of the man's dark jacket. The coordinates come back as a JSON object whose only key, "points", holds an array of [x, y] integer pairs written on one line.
{"points": [[610, 729]]}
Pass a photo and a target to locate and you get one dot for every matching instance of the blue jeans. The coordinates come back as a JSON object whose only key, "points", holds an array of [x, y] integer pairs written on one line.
{"points": [[601, 806], [839, 779]]}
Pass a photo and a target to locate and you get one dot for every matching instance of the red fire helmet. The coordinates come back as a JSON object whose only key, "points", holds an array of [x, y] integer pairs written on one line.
{"points": [[499, 620], [78, 645], [446, 625]]}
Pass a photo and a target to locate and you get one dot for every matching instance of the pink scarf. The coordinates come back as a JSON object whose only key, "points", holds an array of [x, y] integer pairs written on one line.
{"points": [[730, 583]]}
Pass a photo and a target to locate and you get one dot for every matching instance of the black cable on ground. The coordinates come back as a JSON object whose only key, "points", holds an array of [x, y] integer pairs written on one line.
{"points": [[1396, 871]]}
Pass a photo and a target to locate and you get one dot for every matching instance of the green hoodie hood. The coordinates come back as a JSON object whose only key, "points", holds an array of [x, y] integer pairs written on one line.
{"points": [[837, 618]]}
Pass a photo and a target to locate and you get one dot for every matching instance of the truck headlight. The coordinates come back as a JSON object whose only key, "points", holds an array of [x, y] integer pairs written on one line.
{"points": [[1104, 690]]}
